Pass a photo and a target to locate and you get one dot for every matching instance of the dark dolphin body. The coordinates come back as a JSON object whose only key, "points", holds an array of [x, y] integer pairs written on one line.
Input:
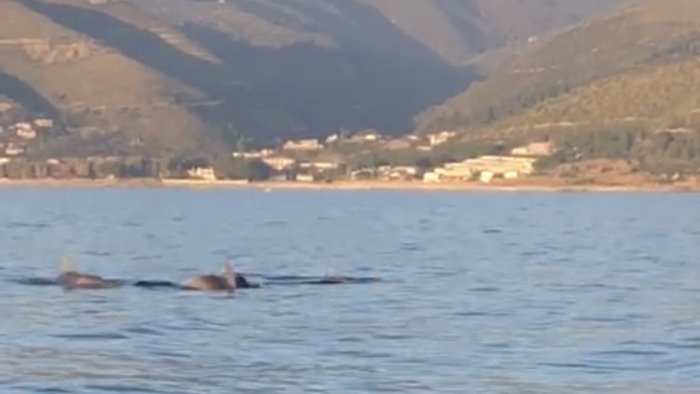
{"points": [[322, 280], [70, 278]]}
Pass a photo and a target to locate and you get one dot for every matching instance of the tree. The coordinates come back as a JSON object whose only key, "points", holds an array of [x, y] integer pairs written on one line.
{"points": [[258, 171], [424, 163]]}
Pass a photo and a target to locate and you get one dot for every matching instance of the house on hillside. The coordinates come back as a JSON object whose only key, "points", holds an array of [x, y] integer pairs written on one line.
{"points": [[366, 136], [203, 173], [279, 163], [441, 137], [13, 150], [534, 149], [320, 165], [397, 173], [451, 172], [484, 168], [363, 174], [253, 154], [27, 134], [305, 178], [43, 123], [24, 130], [302, 145]]}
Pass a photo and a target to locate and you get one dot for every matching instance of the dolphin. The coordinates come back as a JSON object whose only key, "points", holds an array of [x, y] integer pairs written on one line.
{"points": [[227, 282], [70, 278]]}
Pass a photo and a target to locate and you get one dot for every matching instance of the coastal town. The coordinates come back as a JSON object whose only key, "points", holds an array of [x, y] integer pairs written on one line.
{"points": [[365, 155], [432, 161], [311, 160]]}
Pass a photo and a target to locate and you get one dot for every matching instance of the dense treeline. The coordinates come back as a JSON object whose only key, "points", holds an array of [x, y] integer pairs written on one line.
{"points": [[113, 167], [665, 152]]}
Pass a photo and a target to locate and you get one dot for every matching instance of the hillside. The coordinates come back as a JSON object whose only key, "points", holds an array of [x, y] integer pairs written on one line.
{"points": [[164, 77], [99, 94], [652, 98], [650, 33], [455, 30]]}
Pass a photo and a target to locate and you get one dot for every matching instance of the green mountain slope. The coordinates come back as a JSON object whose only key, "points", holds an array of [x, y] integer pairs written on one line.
{"points": [[653, 98], [653, 32]]}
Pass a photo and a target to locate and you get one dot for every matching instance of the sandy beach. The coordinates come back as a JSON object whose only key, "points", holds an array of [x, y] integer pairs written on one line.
{"points": [[529, 185]]}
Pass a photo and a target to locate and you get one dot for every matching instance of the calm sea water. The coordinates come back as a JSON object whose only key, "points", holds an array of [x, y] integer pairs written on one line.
{"points": [[480, 293]]}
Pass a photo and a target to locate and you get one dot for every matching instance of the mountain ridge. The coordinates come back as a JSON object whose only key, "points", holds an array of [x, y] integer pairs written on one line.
{"points": [[162, 77]]}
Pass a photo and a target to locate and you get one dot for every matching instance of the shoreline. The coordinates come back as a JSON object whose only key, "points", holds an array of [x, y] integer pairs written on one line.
{"points": [[534, 185]]}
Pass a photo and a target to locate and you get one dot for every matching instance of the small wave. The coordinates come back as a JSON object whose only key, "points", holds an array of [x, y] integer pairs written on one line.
{"points": [[317, 280], [687, 343], [34, 281], [92, 337], [275, 223], [485, 289], [580, 366], [353, 339], [358, 354], [35, 226], [533, 253], [34, 389], [143, 331], [483, 314], [391, 337], [52, 390], [411, 247], [146, 257], [595, 319], [118, 388], [97, 253], [629, 352], [170, 354], [473, 314]]}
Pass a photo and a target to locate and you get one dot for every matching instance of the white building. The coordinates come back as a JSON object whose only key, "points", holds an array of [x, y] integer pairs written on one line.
{"points": [[305, 178], [27, 134], [534, 149], [204, 173], [254, 154], [320, 165], [441, 137], [279, 163], [43, 123], [484, 168], [14, 150], [302, 145]]}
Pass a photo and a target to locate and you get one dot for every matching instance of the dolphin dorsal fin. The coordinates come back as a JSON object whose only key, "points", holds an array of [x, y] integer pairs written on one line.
{"points": [[67, 265], [230, 275]]}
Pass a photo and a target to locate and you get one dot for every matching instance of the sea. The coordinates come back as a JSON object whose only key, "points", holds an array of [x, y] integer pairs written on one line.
{"points": [[447, 292]]}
